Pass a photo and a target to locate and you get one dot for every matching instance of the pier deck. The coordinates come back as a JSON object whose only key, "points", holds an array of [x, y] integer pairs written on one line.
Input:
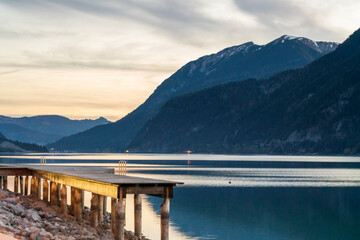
{"points": [[101, 182]]}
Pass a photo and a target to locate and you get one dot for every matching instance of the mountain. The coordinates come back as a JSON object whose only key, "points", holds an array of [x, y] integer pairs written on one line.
{"points": [[18, 133], [314, 109], [45, 128], [248, 60], [15, 146]]}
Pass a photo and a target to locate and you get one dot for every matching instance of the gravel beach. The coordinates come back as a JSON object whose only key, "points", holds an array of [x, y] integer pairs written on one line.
{"points": [[24, 217]]}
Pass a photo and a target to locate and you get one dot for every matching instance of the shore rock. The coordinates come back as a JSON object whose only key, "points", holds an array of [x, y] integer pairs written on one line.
{"points": [[25, 217]]}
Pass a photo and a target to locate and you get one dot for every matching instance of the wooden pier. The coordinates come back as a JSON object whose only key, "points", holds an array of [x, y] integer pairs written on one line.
{"points": [[101, 182]]}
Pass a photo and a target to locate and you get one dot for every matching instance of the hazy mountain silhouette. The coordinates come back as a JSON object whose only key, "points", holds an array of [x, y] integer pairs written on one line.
{"points": [[7, 145], [44, 129]]}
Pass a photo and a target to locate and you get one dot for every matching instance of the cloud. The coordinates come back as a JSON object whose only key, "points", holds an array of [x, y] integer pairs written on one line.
{"points": [[33, 34], [43, 63], [310, 18], [9, 72], [126, 48], [170, 17]]}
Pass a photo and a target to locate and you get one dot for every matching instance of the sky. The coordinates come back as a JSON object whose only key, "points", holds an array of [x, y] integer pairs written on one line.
{"points": [[87, 58]]}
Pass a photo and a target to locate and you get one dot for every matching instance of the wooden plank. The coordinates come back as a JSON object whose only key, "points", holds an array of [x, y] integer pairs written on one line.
{"points": [[97, 180], [99, 174], [9, 171], [155, 191], [102, 188]]}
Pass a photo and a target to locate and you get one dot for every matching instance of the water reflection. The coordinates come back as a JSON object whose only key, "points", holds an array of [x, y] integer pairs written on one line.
{"points": [[270, 197], [267, 213], [255, 177]]}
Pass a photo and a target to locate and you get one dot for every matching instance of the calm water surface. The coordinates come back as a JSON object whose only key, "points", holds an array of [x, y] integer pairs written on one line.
{"points": [[241, 197]]}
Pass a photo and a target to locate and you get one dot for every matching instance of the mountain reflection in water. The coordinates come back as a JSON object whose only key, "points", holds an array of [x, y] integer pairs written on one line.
{"points": [[266, 213], [270, 197]]}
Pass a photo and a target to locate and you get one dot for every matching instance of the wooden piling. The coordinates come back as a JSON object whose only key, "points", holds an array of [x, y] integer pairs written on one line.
{"points": [[82, 199], [27, 191], [46, 191], [72, 204], [22, 185], [105, 205], [165, 211], [119, 225], [53, 194], [58, 190], [113, 203], [137, 215], [94, 210], [63, 200], [5, 185], [1, 182], [101, 210], [38, 186], [16, 184], [77, 207], [32, 186]]}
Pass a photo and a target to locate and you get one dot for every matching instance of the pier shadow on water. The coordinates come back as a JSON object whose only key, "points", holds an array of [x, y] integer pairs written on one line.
{"points": [[266, 213]]}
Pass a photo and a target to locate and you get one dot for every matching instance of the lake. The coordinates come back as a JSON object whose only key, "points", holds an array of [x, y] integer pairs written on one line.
{"points": [[240, 197]]}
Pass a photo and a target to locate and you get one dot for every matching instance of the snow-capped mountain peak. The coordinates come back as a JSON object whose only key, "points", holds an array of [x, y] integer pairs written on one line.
{"points": [[204, 63], [289, 37], [319, 46]]}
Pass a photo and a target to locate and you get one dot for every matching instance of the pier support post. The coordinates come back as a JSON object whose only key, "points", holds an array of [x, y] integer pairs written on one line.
{"points": [[105, 205], [16, 184], [72, 204], [94, 210], [58, 190], [1, 182], [53, 194], [36, 184], [32, 186], [137, 215], [5, 186], [82, 199], [38, 188], [63, 200], [119, 226], [113, 203], [22, 185], [27, 192], [101, 210], [165, 211], [78, 211], [46, 191]]}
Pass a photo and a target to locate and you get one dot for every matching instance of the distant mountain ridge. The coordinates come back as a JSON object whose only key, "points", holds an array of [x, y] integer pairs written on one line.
{"points": [[7, 145], [314, 109], [44, 129], [19, 133], [236, 63]]}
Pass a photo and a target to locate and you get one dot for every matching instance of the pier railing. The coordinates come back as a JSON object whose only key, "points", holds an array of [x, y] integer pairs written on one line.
{"points": [[122, 168], [43, 161]]}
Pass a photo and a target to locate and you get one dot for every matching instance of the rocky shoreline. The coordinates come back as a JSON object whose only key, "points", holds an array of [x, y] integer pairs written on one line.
{"points": [[24, 217]]}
